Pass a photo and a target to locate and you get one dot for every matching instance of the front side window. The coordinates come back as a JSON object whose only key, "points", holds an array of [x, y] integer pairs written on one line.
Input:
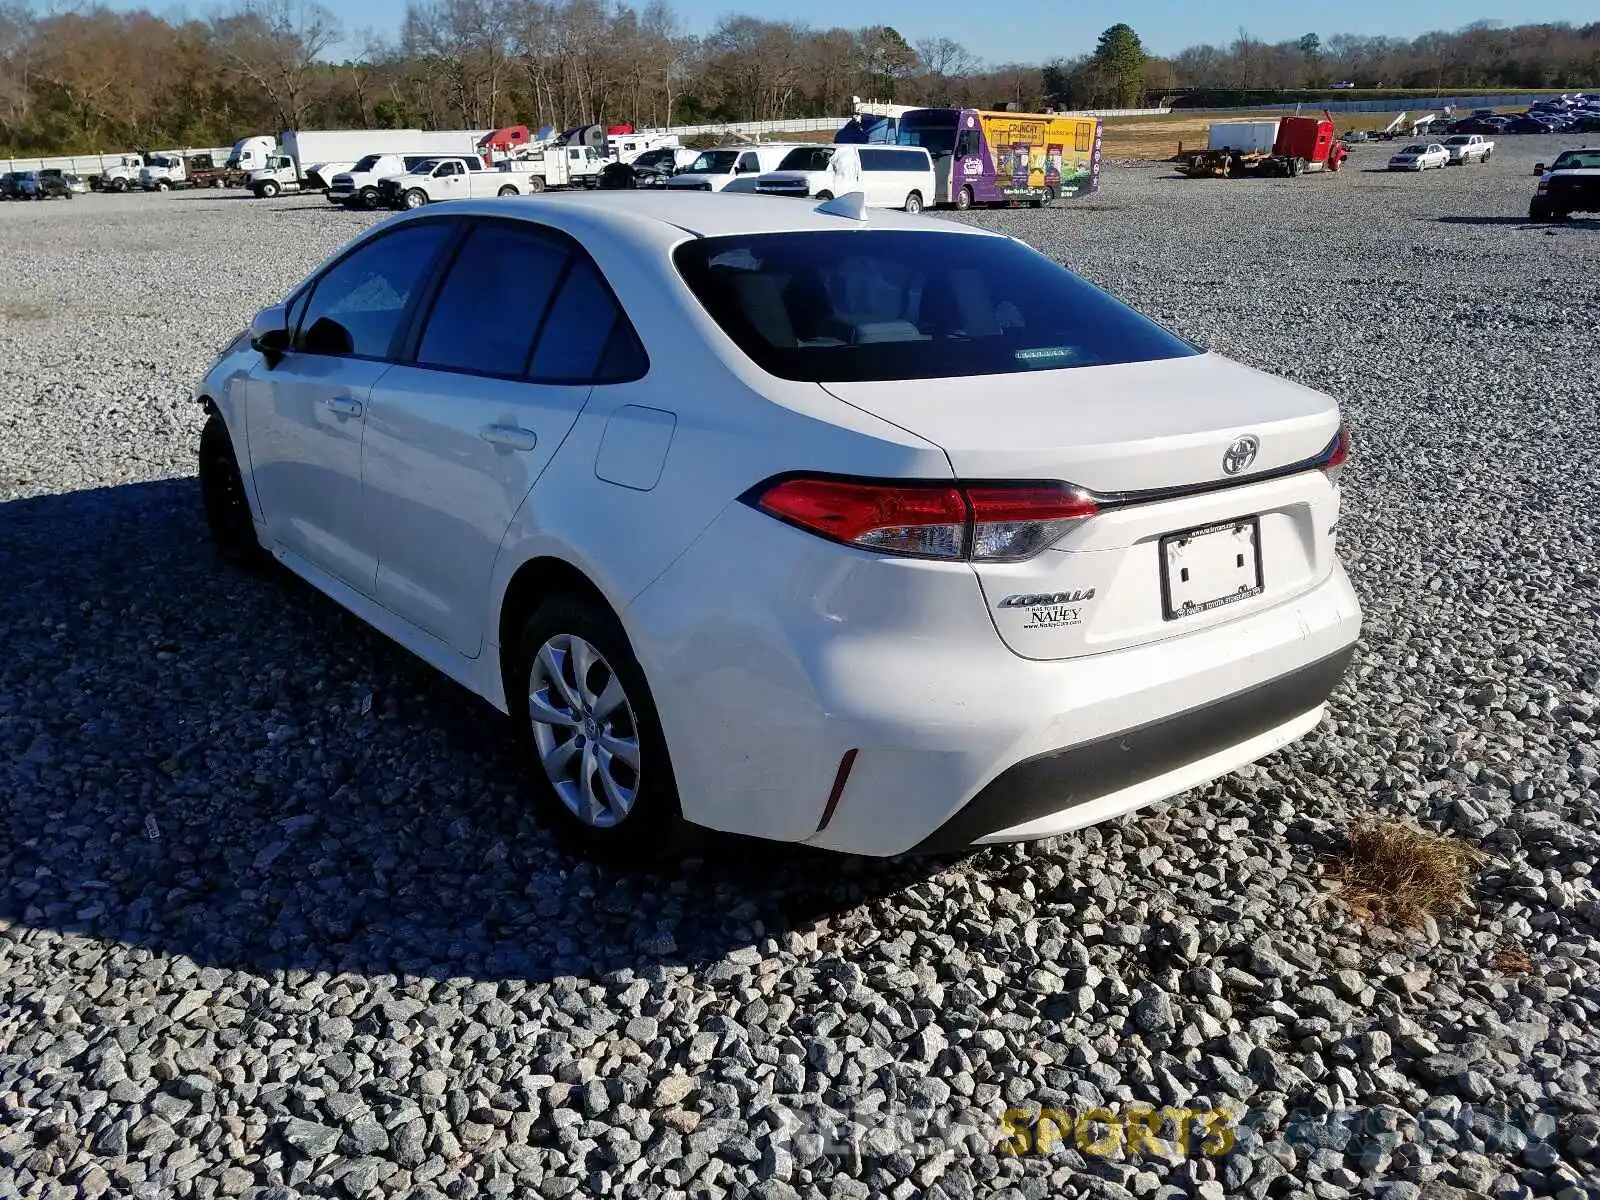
{"points": [[713, 162], [492, 302], [359, 303], [749, 162], [844, 306], [807, 158]]}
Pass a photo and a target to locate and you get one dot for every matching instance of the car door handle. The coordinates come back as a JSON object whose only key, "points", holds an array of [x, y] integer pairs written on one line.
{"points": [[343, 406], [514, 437]]}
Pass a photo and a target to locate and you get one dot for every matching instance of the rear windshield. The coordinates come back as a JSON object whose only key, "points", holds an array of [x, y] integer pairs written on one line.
{"points": [[1576, 160], [859, 305]]}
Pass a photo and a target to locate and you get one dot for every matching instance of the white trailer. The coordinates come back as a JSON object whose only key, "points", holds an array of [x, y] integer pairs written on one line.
{"points": [[1243, 137]]}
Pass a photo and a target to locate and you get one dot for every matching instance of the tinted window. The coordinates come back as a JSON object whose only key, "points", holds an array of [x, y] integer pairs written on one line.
{"points": [[713, 162], [937, 137], [359, 302], [892, 160], [492, 302], [807, 158], [841, 306], [749, 162], [579, 331]]}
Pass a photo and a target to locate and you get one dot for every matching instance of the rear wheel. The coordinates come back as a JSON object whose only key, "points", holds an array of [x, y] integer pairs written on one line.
{"points": [[415, 198], [536, 183], [227, 509], [508, 190], [964, 199], [914, 202], [1050, 196], [600, 768], [824, 196]]}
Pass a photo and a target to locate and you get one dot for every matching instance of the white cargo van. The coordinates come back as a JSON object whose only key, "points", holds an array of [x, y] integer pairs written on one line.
{"points": [[738, 166], [889, 176]]}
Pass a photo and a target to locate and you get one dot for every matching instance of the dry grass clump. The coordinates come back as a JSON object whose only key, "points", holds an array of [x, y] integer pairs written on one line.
{"points": [[1401, 875]]}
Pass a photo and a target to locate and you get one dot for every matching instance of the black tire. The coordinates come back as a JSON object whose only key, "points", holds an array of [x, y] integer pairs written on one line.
{"points": [[964, 199], [824, 196], [415, 198], [1050, 196], [369, 197], [914, 203], [654, 827], [227, 508], [1538, 210], [119, 185], [507, 190], [269, 189], [535, 184]]}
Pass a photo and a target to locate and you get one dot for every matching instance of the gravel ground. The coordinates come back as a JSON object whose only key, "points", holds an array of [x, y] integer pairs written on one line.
{"points": [[273, 920]]}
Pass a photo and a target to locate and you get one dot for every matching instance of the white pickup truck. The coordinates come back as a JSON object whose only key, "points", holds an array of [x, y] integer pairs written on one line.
{"points": [[1468, 147], [437, 179]]}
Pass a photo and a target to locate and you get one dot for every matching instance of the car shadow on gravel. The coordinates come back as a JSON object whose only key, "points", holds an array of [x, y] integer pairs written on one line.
{"points": [[231, 768], [1544, 226]]}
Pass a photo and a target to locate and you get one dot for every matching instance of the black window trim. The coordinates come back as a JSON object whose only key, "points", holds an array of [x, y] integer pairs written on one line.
{"points": [[410, 345], [425, 283]]}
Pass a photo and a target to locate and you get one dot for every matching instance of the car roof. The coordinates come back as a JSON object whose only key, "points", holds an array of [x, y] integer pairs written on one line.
{"points": [[665, 215]]}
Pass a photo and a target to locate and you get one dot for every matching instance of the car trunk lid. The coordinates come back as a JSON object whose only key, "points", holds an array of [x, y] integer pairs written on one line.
{"points": [[1182, 542]]}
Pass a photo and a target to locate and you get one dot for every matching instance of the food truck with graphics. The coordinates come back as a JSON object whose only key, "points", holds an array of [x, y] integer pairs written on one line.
{"points": [[1006, 158]]}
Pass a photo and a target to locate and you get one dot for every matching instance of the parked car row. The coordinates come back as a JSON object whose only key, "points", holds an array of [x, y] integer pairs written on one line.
{"points": [[1565, 114], [40, 185]]}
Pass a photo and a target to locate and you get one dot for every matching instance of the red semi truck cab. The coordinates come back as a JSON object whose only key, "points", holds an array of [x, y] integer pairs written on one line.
{"points": [[1311, 140]]}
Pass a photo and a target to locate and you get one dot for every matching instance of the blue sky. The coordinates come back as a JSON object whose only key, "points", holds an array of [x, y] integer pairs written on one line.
{"points": [[1035, 32]]}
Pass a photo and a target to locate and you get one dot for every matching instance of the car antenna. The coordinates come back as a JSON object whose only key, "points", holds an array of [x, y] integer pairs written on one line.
{"points": [[851, 205]]}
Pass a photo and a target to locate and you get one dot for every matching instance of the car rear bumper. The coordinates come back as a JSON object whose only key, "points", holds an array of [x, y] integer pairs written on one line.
{"points": [[866, 705]]}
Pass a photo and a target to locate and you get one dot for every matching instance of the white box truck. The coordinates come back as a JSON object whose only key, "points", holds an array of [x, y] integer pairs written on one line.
{"points": [[308, 159], [1243, 137]]}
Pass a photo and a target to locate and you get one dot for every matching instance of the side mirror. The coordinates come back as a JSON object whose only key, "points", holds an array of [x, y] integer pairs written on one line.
{"points": [[1538, 168], [269, 333]]}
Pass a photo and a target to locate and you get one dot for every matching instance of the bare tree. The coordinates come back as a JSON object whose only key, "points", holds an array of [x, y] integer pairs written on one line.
{"points": [[278, 46]]}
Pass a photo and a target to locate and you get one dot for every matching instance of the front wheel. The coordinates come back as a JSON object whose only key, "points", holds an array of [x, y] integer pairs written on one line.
{"points": [[268, 190], [535, 184], [824, 196], [119, 185], [508, 190], [222, 493], [914, 202], [600, 768], [964, 199], [1050, 196], [163, 186], [369, 197], [1487, 155], [416, 198]]}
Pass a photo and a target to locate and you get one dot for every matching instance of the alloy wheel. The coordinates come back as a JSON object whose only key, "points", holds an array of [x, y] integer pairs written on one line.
{"points": [[585, 731]]}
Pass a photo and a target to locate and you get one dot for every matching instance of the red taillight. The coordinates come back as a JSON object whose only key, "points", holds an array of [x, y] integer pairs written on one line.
{"points": [[984, 522], [1333, 462]]}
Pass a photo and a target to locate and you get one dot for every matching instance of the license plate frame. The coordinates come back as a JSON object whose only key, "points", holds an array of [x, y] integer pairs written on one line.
{"points": [[1175, 605]]}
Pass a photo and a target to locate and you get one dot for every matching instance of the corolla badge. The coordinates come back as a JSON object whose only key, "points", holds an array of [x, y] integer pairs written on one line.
{"points": [[1241, 454]]}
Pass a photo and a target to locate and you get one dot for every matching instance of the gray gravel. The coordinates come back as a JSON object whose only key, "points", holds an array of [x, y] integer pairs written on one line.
{"points": [[273, 920]]}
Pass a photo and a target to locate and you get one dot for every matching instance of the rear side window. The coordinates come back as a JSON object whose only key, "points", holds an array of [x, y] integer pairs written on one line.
{"points": [[490, 305], [586, 338], [892, 160], [858, 305]]}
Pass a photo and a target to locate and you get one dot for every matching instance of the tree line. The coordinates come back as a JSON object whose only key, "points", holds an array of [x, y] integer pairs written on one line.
{"points": [[89, 78]]}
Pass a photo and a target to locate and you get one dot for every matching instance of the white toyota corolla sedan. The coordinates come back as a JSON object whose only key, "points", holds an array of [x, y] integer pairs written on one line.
{"points": [[879, 534]]}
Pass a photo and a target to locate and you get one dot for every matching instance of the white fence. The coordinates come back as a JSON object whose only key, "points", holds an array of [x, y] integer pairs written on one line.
{"points": [[1404, 104], [805, 124], [95, 164]]}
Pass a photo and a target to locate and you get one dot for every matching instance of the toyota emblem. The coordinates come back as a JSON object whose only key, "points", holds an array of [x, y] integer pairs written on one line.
{"points": [[1241, 454]]}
